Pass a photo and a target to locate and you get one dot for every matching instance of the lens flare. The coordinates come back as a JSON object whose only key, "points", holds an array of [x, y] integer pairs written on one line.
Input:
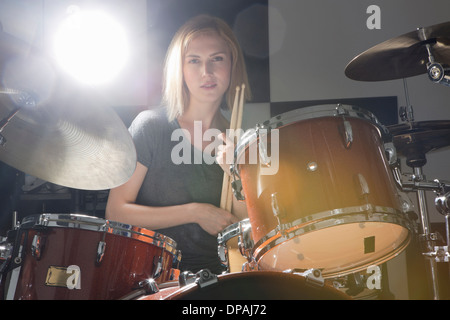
{"points": [[91, 46]]}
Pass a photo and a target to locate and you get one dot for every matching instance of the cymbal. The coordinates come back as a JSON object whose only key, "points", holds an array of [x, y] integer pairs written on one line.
{"points": [[415, 139], [62, 132], [403, 56]]}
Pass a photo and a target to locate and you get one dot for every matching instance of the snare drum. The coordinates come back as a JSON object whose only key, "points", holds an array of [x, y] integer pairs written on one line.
{"points": [[71, 256], [331, 203]]}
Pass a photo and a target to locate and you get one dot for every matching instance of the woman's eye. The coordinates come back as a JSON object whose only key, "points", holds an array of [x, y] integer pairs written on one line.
{"points": [[193, 61], [218, 58]]}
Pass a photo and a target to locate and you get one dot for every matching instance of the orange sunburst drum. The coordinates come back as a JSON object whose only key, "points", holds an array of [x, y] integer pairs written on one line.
{"points": [[321, 193]]}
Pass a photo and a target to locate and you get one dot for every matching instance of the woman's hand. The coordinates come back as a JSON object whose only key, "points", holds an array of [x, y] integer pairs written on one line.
{"points": [[211, 218]]}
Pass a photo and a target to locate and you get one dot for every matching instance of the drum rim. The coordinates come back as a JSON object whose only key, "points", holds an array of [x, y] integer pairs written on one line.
{"points": [[182, 291], [92, 223], [308, 113], [233, 230], [272, 238]]}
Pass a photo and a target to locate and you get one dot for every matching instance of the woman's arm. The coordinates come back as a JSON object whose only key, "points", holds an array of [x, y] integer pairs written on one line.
{"points": [[122, 207]]}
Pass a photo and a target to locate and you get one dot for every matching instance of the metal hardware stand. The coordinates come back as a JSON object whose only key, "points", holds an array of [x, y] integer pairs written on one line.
{"points": [[427, 237]]}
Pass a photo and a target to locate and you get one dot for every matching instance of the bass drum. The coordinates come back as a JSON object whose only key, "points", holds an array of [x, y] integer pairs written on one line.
{"points": [[254, 285]]}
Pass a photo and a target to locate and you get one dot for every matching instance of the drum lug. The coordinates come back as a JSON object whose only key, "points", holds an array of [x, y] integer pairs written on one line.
{"points": [[145, 287], [222, 251], [312, 276], [264, 159], [279, 213], [341, 111], [6, 250], [236, 184], [245, 243], [237, 190], [100, 251], [203, 278], [36, 246], [157, 266], [186, 278], [391, 153], [250, 266], [149, 285], [177, 259], [347, 133]]}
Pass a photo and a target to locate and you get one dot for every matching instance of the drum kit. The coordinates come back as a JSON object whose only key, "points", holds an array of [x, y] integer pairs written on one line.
{"points": [[334, 210]]}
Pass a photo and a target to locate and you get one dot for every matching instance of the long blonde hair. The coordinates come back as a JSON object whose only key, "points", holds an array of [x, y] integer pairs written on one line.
{"points": [[175, 92]]}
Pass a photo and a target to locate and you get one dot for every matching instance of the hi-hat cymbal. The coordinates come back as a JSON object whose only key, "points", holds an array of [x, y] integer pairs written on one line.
{"points": [[415, 139], [61, 133], [403, 56]]}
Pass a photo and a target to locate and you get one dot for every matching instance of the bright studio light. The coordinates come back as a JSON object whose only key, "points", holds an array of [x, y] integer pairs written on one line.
{"points": [[91, 46]]}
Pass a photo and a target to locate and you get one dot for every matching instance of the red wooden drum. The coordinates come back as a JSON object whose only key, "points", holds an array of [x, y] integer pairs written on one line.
{"points": [[332, 203], [70, 256]]}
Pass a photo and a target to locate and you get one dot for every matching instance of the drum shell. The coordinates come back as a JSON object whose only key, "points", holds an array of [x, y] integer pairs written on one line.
{"points": [[126, 261], [336, 182], [328, 200]]}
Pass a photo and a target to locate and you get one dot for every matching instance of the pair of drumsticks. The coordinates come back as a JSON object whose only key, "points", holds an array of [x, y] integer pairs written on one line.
{"points": [[226, 201]]}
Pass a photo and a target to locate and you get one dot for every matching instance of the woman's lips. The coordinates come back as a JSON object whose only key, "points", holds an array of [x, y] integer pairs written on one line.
{"points": [[209, 86]]}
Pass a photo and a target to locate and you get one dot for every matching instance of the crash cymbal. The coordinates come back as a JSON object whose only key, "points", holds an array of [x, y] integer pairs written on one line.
{"points": [[403, 56], [62, 132], [415, 139]]}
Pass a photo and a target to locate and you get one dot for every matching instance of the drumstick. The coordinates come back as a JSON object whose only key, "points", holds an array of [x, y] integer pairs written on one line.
{"points": [[241, 109], [235, 124], [237, 127], [226, 177]]}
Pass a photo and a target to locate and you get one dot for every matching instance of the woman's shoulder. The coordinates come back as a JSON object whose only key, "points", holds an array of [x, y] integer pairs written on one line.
{"points": [[153, 118], [153, 115]]}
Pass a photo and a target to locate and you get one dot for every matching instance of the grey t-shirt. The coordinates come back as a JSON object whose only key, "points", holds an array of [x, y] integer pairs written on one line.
{"points": [[167, 183]]}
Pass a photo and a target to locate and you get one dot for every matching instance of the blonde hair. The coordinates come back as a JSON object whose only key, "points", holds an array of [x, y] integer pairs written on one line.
{"points": [[175, 92]]}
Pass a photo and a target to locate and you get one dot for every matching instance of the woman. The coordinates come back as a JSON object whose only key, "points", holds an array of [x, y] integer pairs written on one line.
{"points": [[180, 199]]}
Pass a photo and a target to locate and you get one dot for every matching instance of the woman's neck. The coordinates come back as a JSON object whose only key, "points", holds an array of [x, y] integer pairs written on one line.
{"points": [[209, 116]]}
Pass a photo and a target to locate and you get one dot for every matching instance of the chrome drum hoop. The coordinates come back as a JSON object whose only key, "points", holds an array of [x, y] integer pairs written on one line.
{"points": [[312, 112], [330, 219], [91, 223]]}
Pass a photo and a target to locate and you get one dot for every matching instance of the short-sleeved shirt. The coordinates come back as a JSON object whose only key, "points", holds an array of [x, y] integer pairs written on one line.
{"points": [[167, 184]]}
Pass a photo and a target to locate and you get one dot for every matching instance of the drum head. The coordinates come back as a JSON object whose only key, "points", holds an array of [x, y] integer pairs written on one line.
{"points": [[336, 250]]}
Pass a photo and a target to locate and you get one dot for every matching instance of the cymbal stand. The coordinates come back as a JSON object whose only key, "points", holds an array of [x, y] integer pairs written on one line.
{"points": [[431, 252], [406, 113], [427, 237], [437, 72], [416, 161], [442, 203]]}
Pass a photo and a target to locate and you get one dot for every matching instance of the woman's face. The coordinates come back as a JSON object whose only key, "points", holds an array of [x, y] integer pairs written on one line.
{"points": [[207, 68]]}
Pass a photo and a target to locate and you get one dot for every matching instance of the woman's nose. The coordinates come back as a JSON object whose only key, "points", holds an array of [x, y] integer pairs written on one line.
{"points": [[208, 68]]}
